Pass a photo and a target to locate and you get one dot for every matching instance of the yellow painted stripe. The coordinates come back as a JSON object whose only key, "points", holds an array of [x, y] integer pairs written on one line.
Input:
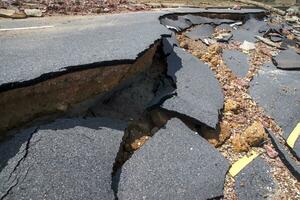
{"points": [[241, 163], [293, 136]]}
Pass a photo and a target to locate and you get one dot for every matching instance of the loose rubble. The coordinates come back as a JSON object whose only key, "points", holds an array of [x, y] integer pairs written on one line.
{"points": [[247, 121]]}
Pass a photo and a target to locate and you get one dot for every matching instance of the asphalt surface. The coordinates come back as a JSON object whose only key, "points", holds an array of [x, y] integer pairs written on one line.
{"points": [[198, 93], [178, 24], [248, 30], [200, 32], [237, 62], [287, 59], [285, 156], [278, 92], [28, 56], [197, 20], [67, 159], [255, 181], [169, 43], [176, 163]]}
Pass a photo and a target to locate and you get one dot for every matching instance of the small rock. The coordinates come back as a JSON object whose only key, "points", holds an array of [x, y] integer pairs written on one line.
{"points": [[184, 45], [12, 14], [106, 10], [247, 46], [270, 151], [97, 10], [239, 144], [236, 7], [209, 41], [294, 10], [275, 38], [225, 131], [216, 137], [33, 12], [7, 12], [255, 134], [231, 105], [224, 37], [292, 19], [139, 142]]}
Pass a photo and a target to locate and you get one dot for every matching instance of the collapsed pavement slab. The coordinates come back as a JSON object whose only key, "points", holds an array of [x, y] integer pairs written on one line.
{"points": [[248, 30], [67, 159], [176, 163], [278, 92], [168, 43], [40, 62], [177, 23], [36, 54], [116, 39], [198, 93], [287, 59], [237, 62], [255, 181], [200, 32], [197, 20]]}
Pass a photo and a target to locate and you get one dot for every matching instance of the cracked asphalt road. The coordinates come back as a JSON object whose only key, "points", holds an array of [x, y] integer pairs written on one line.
{"points": [[67, 159], [74, 158]]}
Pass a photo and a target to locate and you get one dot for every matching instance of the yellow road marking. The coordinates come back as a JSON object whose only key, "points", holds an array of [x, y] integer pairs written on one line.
{"points": [[241, 163], [293, 136]]}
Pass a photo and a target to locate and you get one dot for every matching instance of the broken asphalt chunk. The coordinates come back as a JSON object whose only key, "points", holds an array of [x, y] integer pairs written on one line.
{"points": [[287, 59], [226, 27], [198, 93], [255, 181], [248, 30], [165, 90], [276, 38], [242, 35], [280, 99], [177, 23], [176, 163], [71, 50], [197, 20], [67, 159], [290, 163], [224, 37], [169, 43], [237, 62], [200, 32]]}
